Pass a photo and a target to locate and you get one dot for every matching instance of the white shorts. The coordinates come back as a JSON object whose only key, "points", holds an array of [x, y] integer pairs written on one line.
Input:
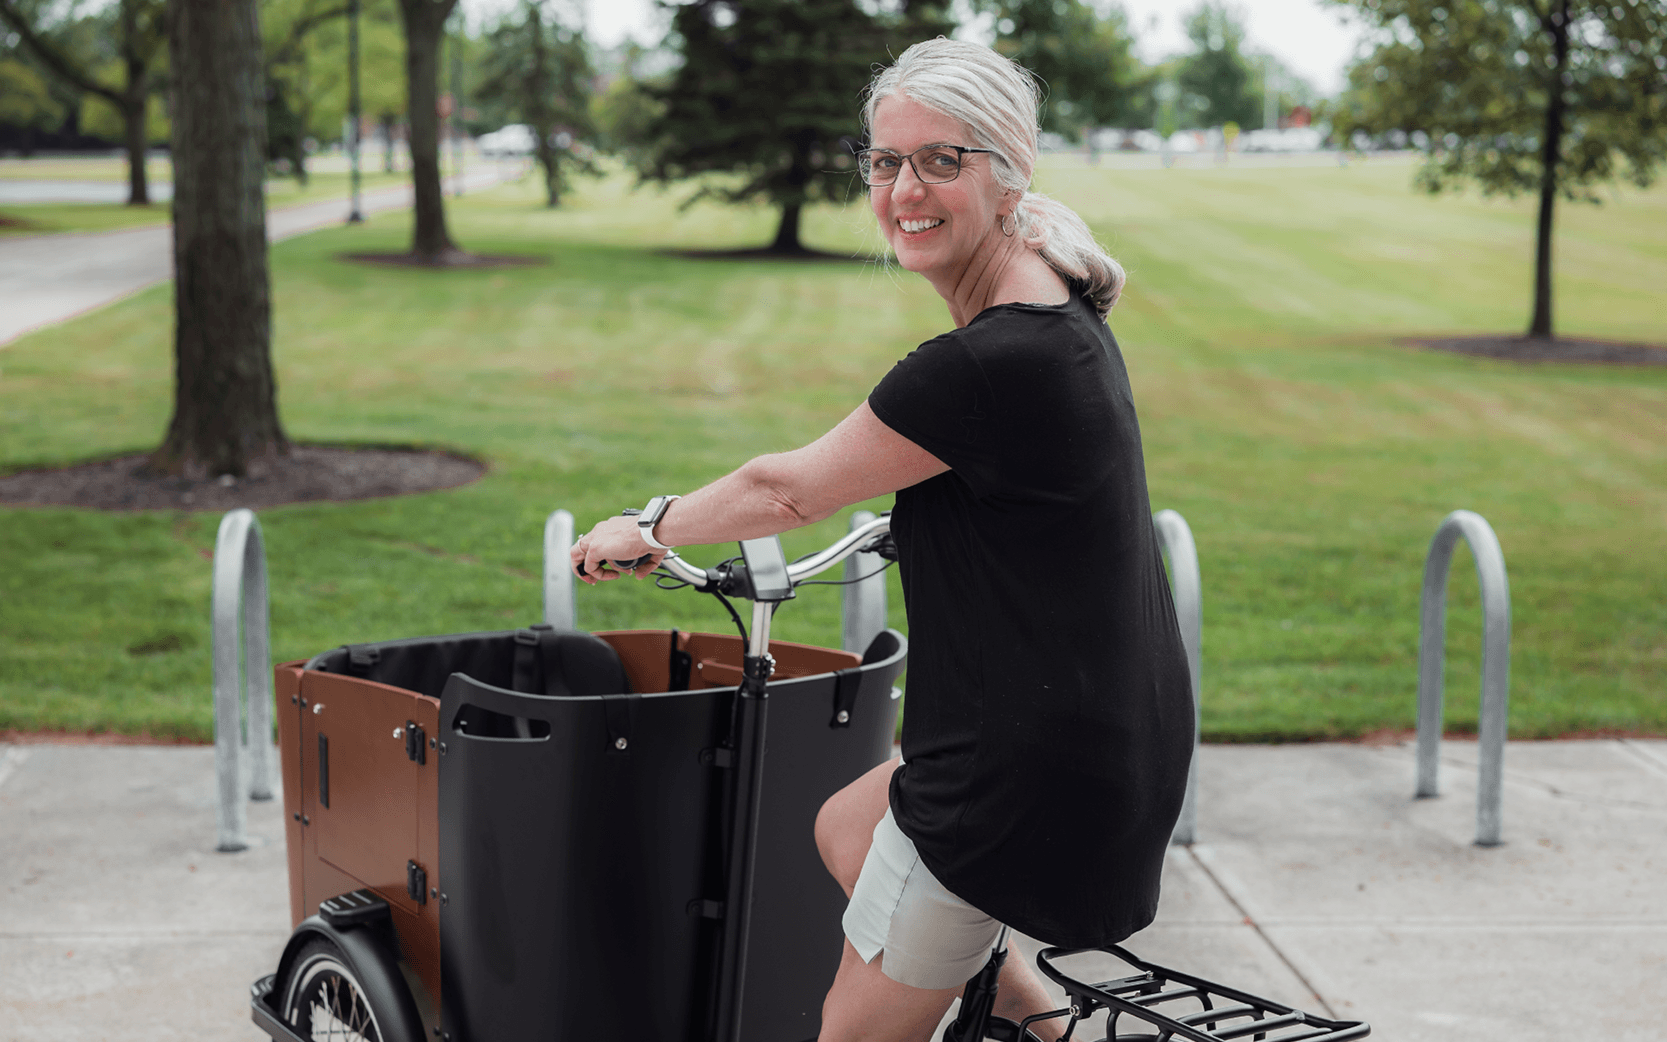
{"points": [[931, 938]]}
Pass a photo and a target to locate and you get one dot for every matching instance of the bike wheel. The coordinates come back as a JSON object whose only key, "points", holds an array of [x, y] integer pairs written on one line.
{"points": [[323, 999]]}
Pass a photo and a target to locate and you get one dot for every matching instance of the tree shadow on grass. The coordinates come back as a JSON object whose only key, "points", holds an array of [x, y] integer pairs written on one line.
{"points": [[767, 253], [9, 223], [445, 261], [1577, 350]]}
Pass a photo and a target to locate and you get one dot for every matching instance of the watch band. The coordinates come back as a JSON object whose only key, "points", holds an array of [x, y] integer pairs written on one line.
{"points": [[650, 516]]}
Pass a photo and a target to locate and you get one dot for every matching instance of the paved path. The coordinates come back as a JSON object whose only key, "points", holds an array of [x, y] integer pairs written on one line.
{"points": [[1316, 880], [21, 191], [49, 278]]}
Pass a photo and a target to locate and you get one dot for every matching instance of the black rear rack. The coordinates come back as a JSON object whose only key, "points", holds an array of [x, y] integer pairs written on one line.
{"points": [[1205, 1011]]}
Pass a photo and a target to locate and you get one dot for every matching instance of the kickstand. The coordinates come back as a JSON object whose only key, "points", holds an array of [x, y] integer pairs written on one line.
{"points": [[979, 999]]}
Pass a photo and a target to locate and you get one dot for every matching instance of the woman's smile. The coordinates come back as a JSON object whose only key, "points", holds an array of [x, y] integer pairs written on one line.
{"points": [[918, 225]]}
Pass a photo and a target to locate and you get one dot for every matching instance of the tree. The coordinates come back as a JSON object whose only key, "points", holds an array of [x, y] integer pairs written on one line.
{"points": [[225, 399], [541, 74], [1553, 96], [626, 111], [769, 90], [306, 70], [139, 36], [1082, 56], [425, 26], [287, 27], [25, 100], [1215, 80]]}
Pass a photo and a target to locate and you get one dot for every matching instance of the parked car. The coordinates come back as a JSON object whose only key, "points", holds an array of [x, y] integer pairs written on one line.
{"points": [[517, 139]]}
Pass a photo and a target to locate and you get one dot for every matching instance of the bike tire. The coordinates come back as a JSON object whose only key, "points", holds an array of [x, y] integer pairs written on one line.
{"points": [[324, 999]]}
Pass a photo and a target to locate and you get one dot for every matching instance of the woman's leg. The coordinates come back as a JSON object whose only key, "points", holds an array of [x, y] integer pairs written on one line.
{"points": [[864, 1004], [845, 824]]}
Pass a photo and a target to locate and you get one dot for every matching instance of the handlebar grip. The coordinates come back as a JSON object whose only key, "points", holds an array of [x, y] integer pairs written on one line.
{"points": [[622, 566]]}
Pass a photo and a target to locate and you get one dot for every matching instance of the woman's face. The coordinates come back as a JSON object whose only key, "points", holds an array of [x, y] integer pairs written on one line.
{"points": [[934, 229]]}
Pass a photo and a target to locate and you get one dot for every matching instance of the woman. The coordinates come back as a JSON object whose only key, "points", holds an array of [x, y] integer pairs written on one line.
{"points": [[1049, 720]]}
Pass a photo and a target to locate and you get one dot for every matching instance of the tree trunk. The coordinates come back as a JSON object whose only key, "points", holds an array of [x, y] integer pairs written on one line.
{"points": [[133, 108], [1540, 326], [134, 127], [787, 233], [425, 22], [387, 144], [225, 404]]}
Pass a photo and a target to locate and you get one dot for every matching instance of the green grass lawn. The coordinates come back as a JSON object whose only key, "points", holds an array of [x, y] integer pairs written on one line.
{"points": [[20, 219], [1311, 452]]}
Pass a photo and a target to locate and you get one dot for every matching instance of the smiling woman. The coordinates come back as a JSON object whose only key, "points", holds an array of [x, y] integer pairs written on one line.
{"points": [[1050, 718]]}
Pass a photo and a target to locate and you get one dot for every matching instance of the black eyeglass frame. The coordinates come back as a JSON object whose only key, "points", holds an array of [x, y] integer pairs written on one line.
{"points": [[864, 154]]}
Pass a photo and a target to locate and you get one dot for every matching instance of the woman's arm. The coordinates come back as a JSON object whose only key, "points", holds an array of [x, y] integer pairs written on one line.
{"points": [[859, 459]]}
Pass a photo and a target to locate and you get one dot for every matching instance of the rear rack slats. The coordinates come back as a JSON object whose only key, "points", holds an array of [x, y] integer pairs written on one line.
{"points": [[1168, 996], [1220, 1013], [1228, 1013], [1256, 1027], [1356, 1031]]}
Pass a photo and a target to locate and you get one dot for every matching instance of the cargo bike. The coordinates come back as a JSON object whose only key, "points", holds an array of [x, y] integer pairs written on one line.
{"points": [[551, 834]]}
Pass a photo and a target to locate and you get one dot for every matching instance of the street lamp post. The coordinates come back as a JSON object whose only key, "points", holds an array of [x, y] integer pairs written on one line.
{"points": [[356, 215]]}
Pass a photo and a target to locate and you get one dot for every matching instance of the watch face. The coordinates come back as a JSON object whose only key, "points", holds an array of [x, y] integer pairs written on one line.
{"points": [[652, 513]]}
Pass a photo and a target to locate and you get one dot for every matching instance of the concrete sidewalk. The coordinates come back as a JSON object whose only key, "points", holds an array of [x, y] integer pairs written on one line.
{"points": [[1317, 880], [45, 279]]}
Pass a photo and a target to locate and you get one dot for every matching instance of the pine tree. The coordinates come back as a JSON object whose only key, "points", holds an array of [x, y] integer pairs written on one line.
{"points": [[770, 90], [538, 70], [1082, 57]]}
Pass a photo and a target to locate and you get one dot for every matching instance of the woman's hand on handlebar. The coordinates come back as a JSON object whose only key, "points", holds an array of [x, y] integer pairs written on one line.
{"points": [[613, 539]]}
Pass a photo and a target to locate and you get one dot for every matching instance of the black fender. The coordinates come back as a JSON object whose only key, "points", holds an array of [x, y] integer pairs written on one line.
{"points": [[372, 953]]}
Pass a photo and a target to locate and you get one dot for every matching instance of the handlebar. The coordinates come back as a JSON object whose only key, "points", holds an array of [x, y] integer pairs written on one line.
{"points": [[875, 535]]}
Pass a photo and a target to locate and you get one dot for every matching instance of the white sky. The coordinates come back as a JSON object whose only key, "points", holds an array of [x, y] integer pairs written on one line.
{"points": [[1309, 36]]}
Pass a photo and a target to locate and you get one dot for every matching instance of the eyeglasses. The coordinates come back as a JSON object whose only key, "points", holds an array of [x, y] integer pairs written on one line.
{"points": [[932, 164]]}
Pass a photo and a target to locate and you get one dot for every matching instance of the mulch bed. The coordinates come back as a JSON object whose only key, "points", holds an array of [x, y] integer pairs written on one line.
{"points": [[1577, 350], [309, 473], [445, 261]]}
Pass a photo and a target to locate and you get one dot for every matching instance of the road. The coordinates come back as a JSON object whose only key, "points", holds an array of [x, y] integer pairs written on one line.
{"points": [[46, 279]]}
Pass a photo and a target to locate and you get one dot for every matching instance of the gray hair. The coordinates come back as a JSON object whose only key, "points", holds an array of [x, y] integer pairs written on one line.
{"points": [[997, 100]]}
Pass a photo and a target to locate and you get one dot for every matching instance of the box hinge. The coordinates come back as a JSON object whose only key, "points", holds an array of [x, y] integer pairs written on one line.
{"points": [[706, 909], [416, 744]]}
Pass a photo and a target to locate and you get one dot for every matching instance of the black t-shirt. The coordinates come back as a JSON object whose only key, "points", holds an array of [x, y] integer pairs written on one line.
{"points": [[1049, 720]]}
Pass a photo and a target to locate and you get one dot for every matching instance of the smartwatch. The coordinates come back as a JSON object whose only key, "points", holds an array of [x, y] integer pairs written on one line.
{"points": [[650, 516]]}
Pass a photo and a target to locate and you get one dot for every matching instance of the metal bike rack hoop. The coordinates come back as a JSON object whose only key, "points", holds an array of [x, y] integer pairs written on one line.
{"points": [[1496, 665], [1175, 537], [862, 603], [559, 610], [239, 603]]}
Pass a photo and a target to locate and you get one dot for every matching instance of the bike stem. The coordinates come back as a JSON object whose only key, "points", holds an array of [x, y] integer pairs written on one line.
{"points": [[752, 713]]}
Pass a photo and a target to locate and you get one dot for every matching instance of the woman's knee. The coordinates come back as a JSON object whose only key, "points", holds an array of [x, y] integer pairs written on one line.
{"points": [[845, 824]]}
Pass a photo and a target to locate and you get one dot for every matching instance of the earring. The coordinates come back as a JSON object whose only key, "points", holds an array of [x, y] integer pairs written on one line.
{"points": [[1002, 223]]}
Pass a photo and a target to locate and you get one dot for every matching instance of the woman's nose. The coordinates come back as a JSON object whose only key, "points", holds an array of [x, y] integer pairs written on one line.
{"points": [[908, 184]]}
